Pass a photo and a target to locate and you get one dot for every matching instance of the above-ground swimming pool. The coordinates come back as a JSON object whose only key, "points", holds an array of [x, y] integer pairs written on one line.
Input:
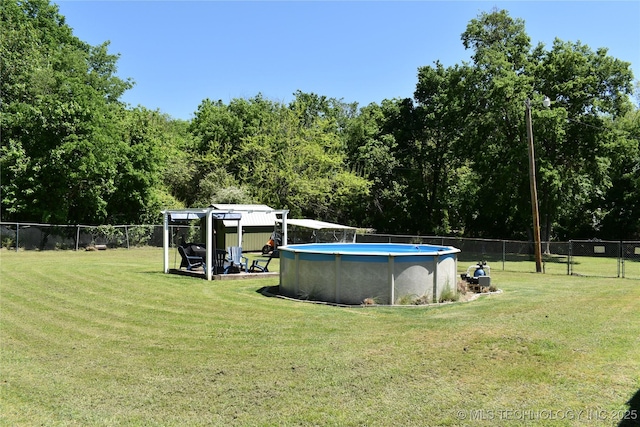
{"points": [[356, 273]]}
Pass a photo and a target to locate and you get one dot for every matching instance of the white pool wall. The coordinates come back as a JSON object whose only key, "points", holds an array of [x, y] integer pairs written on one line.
{"points": [[387, 273]]}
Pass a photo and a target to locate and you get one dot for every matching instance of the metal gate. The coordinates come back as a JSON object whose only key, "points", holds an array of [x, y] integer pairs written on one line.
{"points": [[631, 260], [595, 258]]}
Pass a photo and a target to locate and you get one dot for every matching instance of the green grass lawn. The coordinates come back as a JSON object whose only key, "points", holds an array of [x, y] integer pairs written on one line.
{"points": [[105, 338]]}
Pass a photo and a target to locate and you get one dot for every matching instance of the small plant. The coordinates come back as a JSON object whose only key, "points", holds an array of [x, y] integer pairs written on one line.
{"points": [[448, 295], [194, 234], [463, 287], [140, 235], [311, 295], [61, 246], [409, 299], [8, 243], [423, 300], [412, 299], [111, 235]]}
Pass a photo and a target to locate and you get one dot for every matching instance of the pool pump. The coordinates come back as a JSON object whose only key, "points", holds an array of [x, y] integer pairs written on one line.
{"points": [[478, 274]]}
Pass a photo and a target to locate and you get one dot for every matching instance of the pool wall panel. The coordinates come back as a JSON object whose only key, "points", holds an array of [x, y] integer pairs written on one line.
{"points": [[361, 280], [413, 280], [350, 278]]}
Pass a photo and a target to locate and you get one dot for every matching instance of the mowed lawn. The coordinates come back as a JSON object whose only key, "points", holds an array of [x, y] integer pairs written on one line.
{"points": [[106, 339]]}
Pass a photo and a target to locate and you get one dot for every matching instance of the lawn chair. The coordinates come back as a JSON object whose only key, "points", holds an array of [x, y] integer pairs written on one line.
{"points": [[189, 261], [219, 261], [237, 259], [257, 267]]}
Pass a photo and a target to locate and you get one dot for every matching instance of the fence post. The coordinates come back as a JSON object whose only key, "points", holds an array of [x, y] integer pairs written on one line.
{"points": [[504, 253], [569, 258], [126, 233], [620, 260], [623, 256], [17, 236]]}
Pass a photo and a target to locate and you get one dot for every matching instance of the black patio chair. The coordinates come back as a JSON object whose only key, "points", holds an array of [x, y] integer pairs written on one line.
{"points": [[219, 261], [189, 261], [257, 267]]}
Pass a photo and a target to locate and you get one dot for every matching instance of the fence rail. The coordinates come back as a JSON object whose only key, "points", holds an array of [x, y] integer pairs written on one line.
{"points": [[31, 236], [577, 257]]}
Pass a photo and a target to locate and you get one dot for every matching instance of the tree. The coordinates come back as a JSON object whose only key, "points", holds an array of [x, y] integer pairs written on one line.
{"points": [[619, 208], [288, 156], [149, 140], [590, 90], [440, 94], [373, 154], [493, 139], [59, 112], [179, 165], [573, 140]]}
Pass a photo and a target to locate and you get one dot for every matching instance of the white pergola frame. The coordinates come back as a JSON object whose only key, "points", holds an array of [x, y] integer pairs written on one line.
{"points": [[322, 225], [209, 213]]}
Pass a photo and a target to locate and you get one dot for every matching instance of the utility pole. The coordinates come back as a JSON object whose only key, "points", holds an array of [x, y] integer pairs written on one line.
{"points": [[534, 191]]}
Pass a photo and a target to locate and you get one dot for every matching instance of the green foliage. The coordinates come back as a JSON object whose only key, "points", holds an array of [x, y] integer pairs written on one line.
{"points": [[477, 111], [180, 167], [450, 160], [148, 140], [440, 154], [8, 242], [373, 156], [139, 235], [496, 38], [449, 294], [575, 139], [59, 106], [620, 204], [108, 235], [289, 157]]}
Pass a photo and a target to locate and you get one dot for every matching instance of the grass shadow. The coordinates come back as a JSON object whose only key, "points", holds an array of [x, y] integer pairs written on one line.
{"points": [[269, 291], [632, 416]]}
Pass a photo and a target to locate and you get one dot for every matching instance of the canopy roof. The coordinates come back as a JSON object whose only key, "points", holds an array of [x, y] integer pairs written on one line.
{"points": [[317, 225], [252, 215], [191, 214]]}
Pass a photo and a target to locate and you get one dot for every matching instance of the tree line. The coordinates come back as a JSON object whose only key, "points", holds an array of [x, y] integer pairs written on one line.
{"points": [[450, 159]]}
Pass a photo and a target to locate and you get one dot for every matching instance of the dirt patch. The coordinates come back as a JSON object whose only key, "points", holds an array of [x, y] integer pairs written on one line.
{"points": [[467, 292]]}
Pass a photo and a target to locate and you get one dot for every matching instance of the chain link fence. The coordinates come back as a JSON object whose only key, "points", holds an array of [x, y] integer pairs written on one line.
{"points": [[577, 257], [631, 260], [604, 258], [47, 237], [595, 258]]}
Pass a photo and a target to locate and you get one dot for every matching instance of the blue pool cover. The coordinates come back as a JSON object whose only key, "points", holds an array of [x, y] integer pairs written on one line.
{"points": [[371, 249]]}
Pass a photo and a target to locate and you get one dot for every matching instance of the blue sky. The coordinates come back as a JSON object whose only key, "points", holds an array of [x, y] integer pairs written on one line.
{"points": [[181, 52]]}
